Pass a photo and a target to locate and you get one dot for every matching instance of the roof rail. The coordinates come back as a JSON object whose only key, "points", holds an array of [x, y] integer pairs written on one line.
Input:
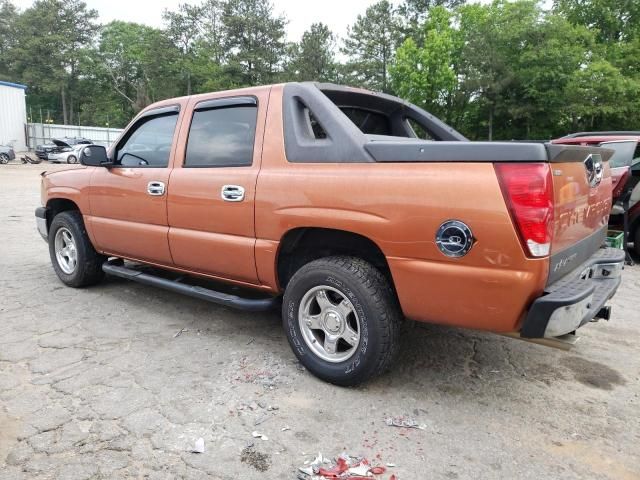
{"points": [[602, 134]]}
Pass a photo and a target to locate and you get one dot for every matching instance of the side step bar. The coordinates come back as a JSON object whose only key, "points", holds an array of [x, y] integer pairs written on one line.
{"points": [[232, 301]]}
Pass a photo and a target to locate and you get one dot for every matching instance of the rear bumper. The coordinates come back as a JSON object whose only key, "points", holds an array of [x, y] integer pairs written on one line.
{"points": [[41, 223], [577, 298]]}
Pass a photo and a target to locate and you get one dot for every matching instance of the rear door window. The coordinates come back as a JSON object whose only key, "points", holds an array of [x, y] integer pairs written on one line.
{"points": [[222, 136]]}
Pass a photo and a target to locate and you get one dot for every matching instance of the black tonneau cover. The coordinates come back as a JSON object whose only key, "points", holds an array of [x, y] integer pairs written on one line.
{"points": [[411, 150]]}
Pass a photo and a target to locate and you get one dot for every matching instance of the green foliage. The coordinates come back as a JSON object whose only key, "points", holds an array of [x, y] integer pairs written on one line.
{"points": [[613, 20], [254, 40], [370, 46], [51, 40], [8, 18], [425, 76], [140, 63], [313, 59], [502, 70]]}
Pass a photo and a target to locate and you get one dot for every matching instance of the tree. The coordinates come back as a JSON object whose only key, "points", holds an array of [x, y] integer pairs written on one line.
{"points": [[313, 59], [614, 20], [184, 28], [8, 18], [415, 12], [370, 45], [140, 62], [425, 75], [599, 96], [52, 37], [254, 40]]}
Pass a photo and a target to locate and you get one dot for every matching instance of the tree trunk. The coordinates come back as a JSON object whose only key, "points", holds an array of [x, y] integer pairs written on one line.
{"points": [[63, 95], [491, 123], [188, 83], [384, 69]]}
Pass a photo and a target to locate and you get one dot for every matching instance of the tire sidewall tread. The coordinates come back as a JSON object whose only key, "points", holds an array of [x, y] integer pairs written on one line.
{"points": [[375, 304], [89, 267]]}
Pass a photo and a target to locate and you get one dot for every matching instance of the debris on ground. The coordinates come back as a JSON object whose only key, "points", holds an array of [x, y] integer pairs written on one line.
{"points": [[259, 435], [180, 332], [404, 422], [345, 467], [261, 419], [199, 446], [285, 428], [259, 461]]}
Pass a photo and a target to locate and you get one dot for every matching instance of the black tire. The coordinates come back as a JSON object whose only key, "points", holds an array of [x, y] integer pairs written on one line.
{"points": [[375, 304], [88, 267], [72, 159], [4, 158]]}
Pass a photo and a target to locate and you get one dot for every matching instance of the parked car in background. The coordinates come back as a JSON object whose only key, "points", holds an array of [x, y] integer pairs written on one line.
{"points": [[6, 154], [616, 221], [68, 154], [625, 144], [56, 146]]}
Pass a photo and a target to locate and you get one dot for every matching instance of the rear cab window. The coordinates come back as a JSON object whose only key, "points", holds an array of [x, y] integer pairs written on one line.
{"points": [[222, 133]]}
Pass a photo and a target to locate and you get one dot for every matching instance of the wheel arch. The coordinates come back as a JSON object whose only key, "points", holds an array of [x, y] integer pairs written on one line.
{"points": [[58, 205], [302, 245]]}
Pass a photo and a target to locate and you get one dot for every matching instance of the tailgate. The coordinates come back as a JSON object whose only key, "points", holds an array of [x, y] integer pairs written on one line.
{"points": [[582, 202]]}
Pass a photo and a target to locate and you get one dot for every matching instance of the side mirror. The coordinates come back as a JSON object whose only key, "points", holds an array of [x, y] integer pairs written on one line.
{"points": [[95, 156]]}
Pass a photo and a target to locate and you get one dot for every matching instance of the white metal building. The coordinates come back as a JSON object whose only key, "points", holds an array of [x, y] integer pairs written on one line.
{"points": [[13, 115]]}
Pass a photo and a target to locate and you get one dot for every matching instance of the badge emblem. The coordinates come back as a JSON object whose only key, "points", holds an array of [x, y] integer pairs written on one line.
{"points": [[595, 170]]}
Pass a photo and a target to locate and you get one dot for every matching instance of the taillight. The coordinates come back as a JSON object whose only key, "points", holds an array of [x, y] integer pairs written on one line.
{"points": [[528, 191]]}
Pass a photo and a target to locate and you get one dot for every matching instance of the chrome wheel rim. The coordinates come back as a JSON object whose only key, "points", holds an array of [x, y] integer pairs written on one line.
{"points": [[72, 159], [66, 252], [4, 158], [329, 324]]}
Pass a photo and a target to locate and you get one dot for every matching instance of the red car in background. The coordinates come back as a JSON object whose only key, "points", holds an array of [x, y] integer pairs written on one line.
{"points": [[625, 173]]}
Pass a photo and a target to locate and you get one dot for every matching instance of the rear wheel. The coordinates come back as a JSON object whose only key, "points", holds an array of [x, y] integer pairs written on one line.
{"points": [[74, 259], [4, 158], [342, 319]]}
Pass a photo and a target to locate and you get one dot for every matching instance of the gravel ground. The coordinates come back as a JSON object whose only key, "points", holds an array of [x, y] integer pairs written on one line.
{"points": [[120, 380]]}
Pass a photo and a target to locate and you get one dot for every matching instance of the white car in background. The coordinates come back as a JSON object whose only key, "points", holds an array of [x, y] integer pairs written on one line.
{"points": [[68, 153]]}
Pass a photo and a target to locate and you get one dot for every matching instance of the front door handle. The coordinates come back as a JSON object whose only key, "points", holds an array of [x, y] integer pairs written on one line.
{"points": [[155, 188], [232, 193]]}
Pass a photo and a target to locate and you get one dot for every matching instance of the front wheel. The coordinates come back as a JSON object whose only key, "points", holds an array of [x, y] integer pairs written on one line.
{"points": [[74, 259], [72, 159], [4, 158], [342, 319]]}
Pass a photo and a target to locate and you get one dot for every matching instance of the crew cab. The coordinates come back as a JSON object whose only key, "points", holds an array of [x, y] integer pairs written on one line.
{"points": [[349, 210]]}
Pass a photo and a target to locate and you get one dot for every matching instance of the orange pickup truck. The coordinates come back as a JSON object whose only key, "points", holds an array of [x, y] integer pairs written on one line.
{"points": [[349, 210]]}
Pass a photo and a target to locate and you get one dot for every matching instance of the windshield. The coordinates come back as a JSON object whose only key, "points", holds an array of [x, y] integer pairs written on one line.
{"points": [[624, 153]]}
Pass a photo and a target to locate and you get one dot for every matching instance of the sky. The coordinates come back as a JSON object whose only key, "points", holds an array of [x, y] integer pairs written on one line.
{"points": [[337, 14]]}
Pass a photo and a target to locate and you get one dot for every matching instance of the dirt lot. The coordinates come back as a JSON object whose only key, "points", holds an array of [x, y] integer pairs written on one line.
{"points": [[99, 383]]}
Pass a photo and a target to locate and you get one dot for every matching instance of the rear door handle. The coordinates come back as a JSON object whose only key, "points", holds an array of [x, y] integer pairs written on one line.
{"points": [[155, 188], [232, 193]]}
